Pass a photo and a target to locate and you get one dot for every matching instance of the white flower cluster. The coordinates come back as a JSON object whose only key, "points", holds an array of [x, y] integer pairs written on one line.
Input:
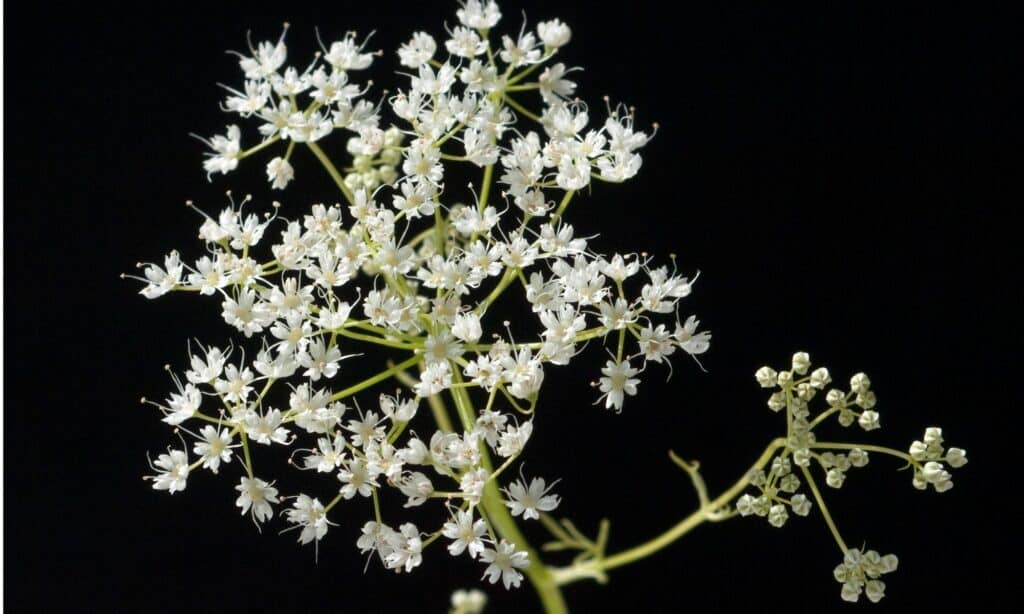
{"points": [[271, 94], [932, 454], [860, 572], [775, 485], [408, 268], [793, 389]]}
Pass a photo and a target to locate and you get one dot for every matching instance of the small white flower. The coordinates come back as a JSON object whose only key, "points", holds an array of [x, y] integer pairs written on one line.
{"points": [[183, 405], [214, 448], [406, 549], [801, 505], [868, 420], [801, 362], [471, 601], [617, 382], [279, 173], [777, 515], [174, 471], [956, 457], [504, 563], [820, 378], [309, 514], [256, 495], [467, 534], [528, 502], [554, 33], [766, 377]]}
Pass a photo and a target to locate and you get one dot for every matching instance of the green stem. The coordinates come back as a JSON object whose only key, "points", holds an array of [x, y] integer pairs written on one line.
{"points": [[592, 569], [828, 445], [523, 110], [371, 339], [376, 379], [824, 509], [508, 278], [260, 147], [563, 205], [332, 171], [493, 505]]}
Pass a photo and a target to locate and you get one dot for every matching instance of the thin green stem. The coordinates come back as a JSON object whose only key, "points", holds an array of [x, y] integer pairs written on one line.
{"points": [[332, 171], [377, 340], [824, 509], [376, 379], [260, 147], [523, 110], [592, 569], [563, 205], [826, 445]]}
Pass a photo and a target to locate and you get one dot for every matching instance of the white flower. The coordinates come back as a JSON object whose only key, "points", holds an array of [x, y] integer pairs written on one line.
{"points": [[246, 313], [479, 15], [279, 173], [406, 548], [214, 448], [357, 478], [226, 150], [320, 360], [777, 515], [956, 457], [554, 33], [257, 495], [800, 504], [470, 601], [503, 564], [205, 370], [416, 486], [859, 572], [617, 382], [689, 339], [174, 471], [868, 420], [860, 383], [472, 485], [309, 514], [801, 362], [183, 405], [835, 478], [820, 378], [467, 327], [514, 438], [418, 51], [766, 377], [163, 280], [530, 501], [466, 533]]}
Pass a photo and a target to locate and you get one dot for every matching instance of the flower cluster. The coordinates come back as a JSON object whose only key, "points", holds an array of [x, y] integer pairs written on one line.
{"points": [[859, 573], [793, 390], [932, 454], [406, 267]]}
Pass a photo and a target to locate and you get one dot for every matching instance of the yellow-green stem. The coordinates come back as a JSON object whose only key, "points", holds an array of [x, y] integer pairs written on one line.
{"points": [[493, 506], [332, 171], [591, 569]]}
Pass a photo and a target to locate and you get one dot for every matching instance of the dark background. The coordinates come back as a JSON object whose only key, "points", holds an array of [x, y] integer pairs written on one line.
{"points": [[839, 177]]}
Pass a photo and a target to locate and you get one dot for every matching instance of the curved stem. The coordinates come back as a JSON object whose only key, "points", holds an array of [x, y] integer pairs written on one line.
{"points": [[590, 569]]}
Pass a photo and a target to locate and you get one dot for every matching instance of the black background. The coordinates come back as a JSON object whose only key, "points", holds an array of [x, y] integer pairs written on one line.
{"points": [[839, 177]]}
